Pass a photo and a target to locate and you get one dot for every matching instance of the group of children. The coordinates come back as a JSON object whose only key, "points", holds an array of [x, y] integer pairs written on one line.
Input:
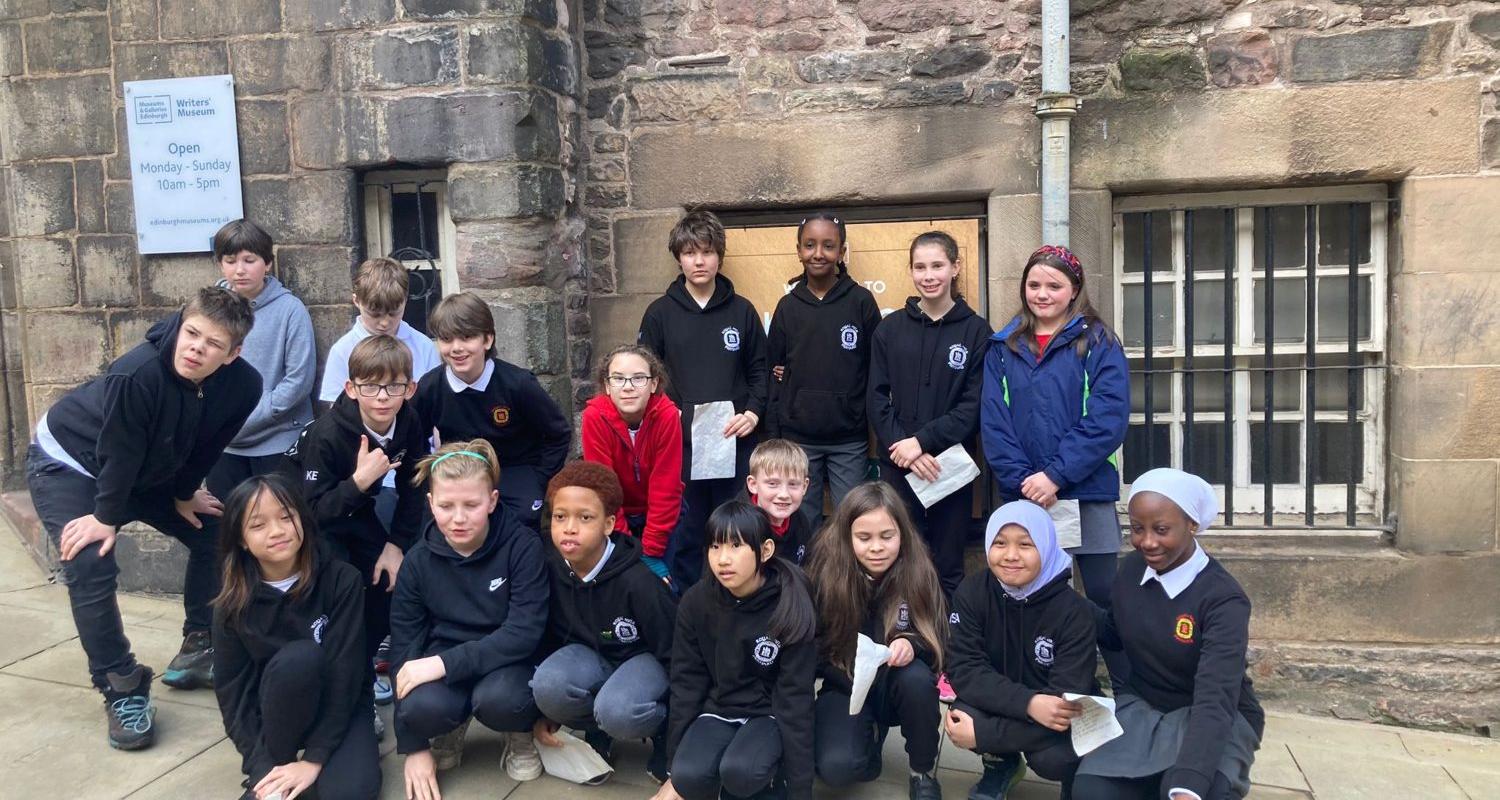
{"points": [[623, 597]]}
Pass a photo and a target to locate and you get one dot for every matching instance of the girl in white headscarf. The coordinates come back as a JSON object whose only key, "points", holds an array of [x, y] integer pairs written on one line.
{"points": [[1020, 637], [1190, 716]]}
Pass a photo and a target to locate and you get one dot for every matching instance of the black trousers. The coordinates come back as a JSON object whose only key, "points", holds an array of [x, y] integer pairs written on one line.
{"points": [[1153, 787], [685, 549], [944, 527], [362, 554], [501, 701], [1048, 753], [742, 759], [847, 749], [232, 470], [291, 702]]}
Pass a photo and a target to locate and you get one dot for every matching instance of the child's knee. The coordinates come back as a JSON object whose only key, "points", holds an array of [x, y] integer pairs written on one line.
{"points": [[745, 777], [559, 697], [1055, 763], [427, 713], [841, 764], [503, 702], [626, 719], [360, 784]]}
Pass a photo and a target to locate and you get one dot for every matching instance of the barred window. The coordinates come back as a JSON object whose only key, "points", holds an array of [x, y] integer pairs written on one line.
{"points": [[406, 218]]}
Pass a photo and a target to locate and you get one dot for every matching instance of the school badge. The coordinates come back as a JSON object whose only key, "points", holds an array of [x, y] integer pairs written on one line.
{"points": [[765, 651], [903, 617], [849, 337], [1044, 650], [731, 339], [1182, 631], [953, 618], [958, 356], [317, 628], [624, 630], [500, 415]]}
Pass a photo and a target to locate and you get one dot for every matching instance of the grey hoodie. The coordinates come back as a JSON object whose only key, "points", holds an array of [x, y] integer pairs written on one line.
{"points": [[282, 349]]}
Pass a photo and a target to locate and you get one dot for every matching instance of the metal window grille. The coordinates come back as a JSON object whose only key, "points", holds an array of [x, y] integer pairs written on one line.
{"points": [[406, 218]]}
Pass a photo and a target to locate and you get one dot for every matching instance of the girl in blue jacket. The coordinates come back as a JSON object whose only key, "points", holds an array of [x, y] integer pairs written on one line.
{"points": [[1054, 409]]}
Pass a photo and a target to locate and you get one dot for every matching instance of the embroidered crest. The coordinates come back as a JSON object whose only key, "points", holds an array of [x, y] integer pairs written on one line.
{"points": [[625, 631], [801, 552], [849, 337], [731, 339], [953, 618], [1042, 648], [958, 356], [1183, 630], [903, 617], [500, 415], [536, 505], [765, 651], [317, 628]]}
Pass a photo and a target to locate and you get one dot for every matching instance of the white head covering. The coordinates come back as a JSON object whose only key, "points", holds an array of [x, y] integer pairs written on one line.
{"points": [[1191, 493], [1038, 524]]}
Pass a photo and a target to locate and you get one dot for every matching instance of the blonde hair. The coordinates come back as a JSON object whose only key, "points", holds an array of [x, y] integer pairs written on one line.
{"points": [[381, 285], [460, 461], [378, 357], [780, 457]]}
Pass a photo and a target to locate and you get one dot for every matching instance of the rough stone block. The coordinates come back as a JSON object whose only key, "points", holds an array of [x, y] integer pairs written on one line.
{"points": [[1242, 58], [329, 323], [518, 54], [611, 143], [109, 269], [152, 60], [765, 13], [1161, 69], [65, 347], [88, 177], [906, 17], [397, 59], [1380, 53], [643, 265], [1447, 224], [543, 11], [1490, 149], [1442, 319], [610, 53], [328, 15], [12, 54], [606, 170], [170, 281], [687, 98], [7, 274], [855, 65], [264, 144], [529, 329], [56, 117], [5, 221], [617, 319], [1452, 406], [1486, 25], [1445, 506], [205, 19], [319, 275], [315, 208], [133, 20], [67, 44], [950, 60], [502, 255], [128, 328], [119, 208], [45, 274], [43, 198], [488, 193], [272, 66]]}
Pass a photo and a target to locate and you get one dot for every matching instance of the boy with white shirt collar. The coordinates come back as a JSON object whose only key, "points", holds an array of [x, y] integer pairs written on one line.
{"points": [[380, 292]]}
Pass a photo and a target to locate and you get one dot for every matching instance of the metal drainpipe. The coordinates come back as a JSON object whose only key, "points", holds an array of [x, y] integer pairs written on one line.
{"points": [[1055, 108]]}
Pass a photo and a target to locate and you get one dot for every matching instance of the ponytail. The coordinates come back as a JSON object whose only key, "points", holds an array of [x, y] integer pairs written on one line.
{"points": [[793, 620]]}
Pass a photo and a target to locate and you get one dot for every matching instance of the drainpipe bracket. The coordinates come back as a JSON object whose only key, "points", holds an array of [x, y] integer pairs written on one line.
{"points": [[1057, 104]]}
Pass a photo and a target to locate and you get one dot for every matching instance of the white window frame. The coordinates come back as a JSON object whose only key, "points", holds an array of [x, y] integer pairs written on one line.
{"points": [[378, 188], [1249, 498]]}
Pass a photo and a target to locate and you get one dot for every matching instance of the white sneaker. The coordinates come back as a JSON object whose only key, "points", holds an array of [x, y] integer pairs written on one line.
{"points": [[522, 761]]}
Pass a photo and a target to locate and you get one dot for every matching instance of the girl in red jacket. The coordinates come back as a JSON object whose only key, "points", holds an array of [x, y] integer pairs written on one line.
{"points": [[633, 428]]}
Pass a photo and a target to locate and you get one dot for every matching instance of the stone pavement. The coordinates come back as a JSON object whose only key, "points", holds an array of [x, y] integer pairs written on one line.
{"points": [[52, 733]]}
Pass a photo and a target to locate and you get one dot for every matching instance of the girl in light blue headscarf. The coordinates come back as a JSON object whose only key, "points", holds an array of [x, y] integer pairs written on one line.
{"points": [[1036, 524]]}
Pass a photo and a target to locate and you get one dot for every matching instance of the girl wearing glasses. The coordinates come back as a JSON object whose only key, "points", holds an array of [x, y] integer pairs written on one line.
{"points": [[633, 428]]}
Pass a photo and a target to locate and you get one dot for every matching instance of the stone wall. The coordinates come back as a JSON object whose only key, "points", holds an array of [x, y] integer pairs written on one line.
{"points": [[324, 90]]}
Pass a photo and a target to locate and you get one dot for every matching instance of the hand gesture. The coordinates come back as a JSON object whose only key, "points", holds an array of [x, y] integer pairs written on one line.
{"points": [[417, 672], [370, 465], [81, 533], [666, 792], [901, 653], [388, 564], [926, 467], [1051, 711], [200, 503], [960, 728], [288, 780]]}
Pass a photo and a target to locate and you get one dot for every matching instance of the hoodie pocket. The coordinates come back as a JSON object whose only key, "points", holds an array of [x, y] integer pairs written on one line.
{"points": [[817, 411]]}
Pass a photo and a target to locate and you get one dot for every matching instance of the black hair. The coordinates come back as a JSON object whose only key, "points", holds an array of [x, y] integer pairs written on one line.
{"points": [[240, 235], [827, 215], [738, 522], [238, 567]]}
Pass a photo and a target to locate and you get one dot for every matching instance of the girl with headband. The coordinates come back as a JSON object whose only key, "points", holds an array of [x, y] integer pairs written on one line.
{"points": [[469, 612], [1054, 409]]}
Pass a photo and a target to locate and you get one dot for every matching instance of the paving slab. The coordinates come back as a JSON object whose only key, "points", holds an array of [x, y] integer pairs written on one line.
{"points": [[17, 569], [134, 609], [1354, 737], [212, 773], [1347, 774], [1480, 784], [1455, 751], [24, 632], [65, 663], [1274, 766]]}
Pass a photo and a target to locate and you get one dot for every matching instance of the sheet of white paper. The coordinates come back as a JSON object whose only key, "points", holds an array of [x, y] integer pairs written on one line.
{"points": [[575, 761], [956, 470], [1068, 523], [713, 455], [1096, 726], [868, 656]]}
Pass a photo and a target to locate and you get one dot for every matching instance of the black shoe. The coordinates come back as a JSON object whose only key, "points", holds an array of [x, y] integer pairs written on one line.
{"points": [[1001, 774], [193, 667], [602, 743], [925, 787], [127, 702], [656, 766]]}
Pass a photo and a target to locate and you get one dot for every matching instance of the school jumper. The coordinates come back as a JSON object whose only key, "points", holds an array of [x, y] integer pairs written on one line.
{"points": [[424, 356], [609, 635], [282, 349], [291, 675], [741, 709], [123, 447], [1187, 683], [484, 614], [324, 459], [1004, 651], [925, 380], [508, 407], [793, 536], [847, 748], [819, 403], [648, 464], [712, 353]]}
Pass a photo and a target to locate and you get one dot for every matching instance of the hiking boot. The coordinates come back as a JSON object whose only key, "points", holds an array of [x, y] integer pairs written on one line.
{"points": [[656, 766], [1001, 774], [522, 761], [448, 749], [131, 715], [925, 787], [602, 743], [193, 666]]}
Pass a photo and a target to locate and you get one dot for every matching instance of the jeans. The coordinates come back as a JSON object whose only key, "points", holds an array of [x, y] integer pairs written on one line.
{"points": [[577, 688], [501, 701], [62, 494], [840, 467]]}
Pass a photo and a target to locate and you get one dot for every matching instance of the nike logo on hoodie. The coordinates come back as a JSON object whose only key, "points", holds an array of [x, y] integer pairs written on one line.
{"points": [[496, 583]]}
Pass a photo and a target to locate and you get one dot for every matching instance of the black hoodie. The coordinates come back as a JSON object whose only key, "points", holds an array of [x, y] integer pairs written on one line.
{"points": [[712, 353], [925, 377], [324, 458], [725, 663], [624, 611], [331, 613], [836, 679], [478, 612], [1003, 651], [825, 347], [141, 427]]}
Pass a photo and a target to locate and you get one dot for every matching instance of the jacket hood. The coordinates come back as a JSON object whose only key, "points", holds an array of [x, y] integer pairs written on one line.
{"points": [[762, 599], [723, 291], [502, 526], [273, 291], [840, 288], [658, 409], [1075, 326], [626, 553], [958, 313]]}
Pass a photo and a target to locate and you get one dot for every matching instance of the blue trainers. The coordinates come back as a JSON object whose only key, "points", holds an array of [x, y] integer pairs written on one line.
{"points": [[383, 691], [193, 666], [1001, 774]]}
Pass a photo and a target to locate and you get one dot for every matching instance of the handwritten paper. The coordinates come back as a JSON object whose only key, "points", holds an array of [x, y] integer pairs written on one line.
{"points": [[956, 470], [713, 453], [1069, 524], [868, 658], [1096, 726]]}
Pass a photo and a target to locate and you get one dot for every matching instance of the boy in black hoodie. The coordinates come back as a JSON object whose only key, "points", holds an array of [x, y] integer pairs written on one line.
{"points": [[713, 344], [135, 444], [610, 628], [819, 351], [341, 460]]}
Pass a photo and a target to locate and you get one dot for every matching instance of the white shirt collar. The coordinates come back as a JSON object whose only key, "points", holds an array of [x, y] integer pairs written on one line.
{"points": [[1178, 580], [609, 547], [457, 384], [382, 440]]}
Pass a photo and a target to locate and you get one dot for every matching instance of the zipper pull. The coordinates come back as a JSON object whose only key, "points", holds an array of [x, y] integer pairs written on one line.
{"points": [[200, 391]]}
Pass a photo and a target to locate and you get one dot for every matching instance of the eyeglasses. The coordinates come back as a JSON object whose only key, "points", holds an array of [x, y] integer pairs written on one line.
{"points": [[373, 389], [633, 381]]}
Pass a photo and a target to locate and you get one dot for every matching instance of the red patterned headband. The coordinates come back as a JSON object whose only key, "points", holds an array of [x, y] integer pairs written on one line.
{"points": [[1064, 255]]}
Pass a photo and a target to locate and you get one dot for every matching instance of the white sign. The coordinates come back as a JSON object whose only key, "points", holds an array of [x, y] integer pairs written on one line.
{"points": [[184, 161]]}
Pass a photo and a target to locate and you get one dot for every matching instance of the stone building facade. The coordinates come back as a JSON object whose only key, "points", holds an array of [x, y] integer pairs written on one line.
{"points": [[574, 132]]}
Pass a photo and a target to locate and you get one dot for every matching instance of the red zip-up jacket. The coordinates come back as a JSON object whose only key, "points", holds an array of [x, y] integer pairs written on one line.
{"points": [[650, 470]]}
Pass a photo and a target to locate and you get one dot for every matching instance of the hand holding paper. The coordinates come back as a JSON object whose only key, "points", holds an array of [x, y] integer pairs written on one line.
{"points": [[713, 454], [868, 658], [1096, 725], [957, 470]]}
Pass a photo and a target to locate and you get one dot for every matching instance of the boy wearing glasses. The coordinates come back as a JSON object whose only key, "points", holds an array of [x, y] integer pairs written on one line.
{"points": [[342, 460], [478, 396]]}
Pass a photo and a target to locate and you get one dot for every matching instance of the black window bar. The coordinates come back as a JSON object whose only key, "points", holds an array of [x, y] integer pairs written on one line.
{"points": [[424, 284]]}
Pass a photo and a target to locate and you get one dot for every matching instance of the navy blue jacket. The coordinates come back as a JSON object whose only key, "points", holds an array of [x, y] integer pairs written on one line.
{"points": [[1034, 421]]}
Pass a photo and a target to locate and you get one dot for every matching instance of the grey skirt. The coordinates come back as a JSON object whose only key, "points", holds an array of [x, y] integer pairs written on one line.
{"points": [[1151, 740], [1100, 528]]}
